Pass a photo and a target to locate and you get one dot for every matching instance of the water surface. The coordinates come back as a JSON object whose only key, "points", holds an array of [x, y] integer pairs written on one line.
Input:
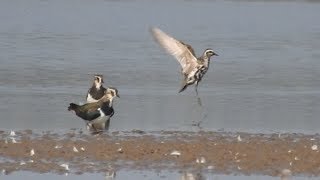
{"points": [[265, 79]]}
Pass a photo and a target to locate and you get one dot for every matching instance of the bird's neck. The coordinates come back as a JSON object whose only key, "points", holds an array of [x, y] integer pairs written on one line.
{"points": [[106, 98], [205, 60], [97, 85]]}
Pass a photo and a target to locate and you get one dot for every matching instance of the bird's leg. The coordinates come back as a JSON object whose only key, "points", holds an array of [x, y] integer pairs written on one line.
{"points": [[198, 97], [196, 88], [107, 125]]}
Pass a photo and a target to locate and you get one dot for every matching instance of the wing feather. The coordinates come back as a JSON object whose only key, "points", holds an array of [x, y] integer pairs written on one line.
{"points": [[181, 51]]}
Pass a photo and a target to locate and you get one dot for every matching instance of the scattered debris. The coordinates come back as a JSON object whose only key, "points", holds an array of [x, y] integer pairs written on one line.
{"points": [[175, 153], [239, 138], [66, 166], [289, 151], [32, 152], [75, 149], [296, 158], [82, 149], [201, 160], [312, 139], [22, 163], [12, 133], [314, 147], [120, 150], [58, 147], [30, 161]]}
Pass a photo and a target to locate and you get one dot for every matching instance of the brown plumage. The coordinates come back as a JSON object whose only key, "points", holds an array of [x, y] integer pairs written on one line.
{"points": [[192, 68]]}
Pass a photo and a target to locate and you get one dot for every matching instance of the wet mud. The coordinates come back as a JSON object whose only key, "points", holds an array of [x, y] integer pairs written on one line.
{"points": [[219, 152]]}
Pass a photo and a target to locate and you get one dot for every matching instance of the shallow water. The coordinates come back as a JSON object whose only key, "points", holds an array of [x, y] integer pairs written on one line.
{"points": [[265, 79], [135, 175]]}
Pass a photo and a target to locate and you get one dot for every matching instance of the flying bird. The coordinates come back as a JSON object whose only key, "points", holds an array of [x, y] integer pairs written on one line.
{"points": [[192, 68]]}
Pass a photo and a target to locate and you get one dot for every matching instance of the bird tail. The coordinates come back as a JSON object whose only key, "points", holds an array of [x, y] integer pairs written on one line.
{"points": [[72, 106]]}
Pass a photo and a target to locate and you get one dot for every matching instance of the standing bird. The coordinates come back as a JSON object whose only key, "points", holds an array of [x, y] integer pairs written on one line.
{"points": [[97, 114], [97, 90], [192, 68]]}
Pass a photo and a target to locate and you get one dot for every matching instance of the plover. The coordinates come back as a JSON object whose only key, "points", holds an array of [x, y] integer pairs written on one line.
{"points": [[96, 91], [97, 114], [192, 68]]}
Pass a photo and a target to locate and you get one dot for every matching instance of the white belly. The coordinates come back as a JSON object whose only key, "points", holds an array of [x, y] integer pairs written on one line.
{"points": [[90, 99]]}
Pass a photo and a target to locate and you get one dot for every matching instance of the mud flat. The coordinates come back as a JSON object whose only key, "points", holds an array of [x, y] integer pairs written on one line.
{"points": [[220, 152]]}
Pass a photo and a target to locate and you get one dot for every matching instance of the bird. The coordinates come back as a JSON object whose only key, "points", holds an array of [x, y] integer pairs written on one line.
{"points": [[192, 68], [97, 114], [96, 91]]}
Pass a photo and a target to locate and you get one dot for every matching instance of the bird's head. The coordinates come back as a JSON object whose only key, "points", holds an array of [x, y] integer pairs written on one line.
{"points": [[209, 52], [98, 80], [112, 92]]}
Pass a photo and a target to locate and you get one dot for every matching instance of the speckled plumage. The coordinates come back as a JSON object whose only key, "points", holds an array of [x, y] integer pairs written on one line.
{"points": [[192, 68]]}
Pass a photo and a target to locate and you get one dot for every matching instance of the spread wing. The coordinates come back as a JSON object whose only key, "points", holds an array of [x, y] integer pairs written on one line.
{"points": [[181, 51]]}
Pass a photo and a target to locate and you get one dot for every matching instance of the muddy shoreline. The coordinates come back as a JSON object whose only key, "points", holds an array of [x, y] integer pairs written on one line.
{"points": [[219, 152]]}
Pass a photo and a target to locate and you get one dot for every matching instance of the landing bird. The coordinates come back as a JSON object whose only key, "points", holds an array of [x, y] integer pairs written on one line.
{"points": [[97, 114], [192, 68], [96, 91]]}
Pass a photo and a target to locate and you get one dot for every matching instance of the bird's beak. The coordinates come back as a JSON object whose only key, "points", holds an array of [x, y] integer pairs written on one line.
{"points": [[216, 54], [118, 96], [102, 81]]}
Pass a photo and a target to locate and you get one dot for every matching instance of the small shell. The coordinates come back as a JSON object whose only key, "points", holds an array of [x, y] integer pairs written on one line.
{"points": [[314, 147], [22, 163], [175, 153], [201, 160], [12, 133], [120, 150], [82, 149], [58, 147], [75, 149], [239, 138], [32, 152], [66, 166]]}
